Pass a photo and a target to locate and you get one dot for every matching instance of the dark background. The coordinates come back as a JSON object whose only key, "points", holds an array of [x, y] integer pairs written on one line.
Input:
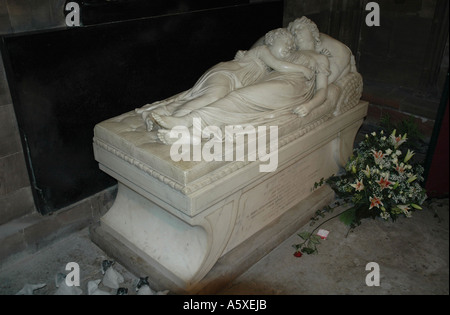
{"points": [[125, 54]]}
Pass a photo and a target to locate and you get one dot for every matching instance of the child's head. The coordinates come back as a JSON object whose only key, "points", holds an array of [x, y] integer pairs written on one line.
{"points": [[280, 42], [306, 34]]}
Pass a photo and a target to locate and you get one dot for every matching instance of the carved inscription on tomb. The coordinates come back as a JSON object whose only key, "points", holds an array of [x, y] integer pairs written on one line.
{"points": [[265, 202]]}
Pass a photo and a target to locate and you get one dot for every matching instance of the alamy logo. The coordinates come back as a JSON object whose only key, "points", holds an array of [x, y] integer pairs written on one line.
{"points": [[373, 18], [373, 277], [73, 17], [229, 145], [73, 277]]}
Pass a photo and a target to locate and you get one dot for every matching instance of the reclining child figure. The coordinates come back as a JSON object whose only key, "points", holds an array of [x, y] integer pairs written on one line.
{"points": [[256, 87]]}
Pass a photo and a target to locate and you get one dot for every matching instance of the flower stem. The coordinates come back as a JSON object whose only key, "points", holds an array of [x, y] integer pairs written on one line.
{"points": [[335, 216]]}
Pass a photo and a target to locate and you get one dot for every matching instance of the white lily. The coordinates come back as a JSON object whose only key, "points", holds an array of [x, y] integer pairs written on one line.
{"points": [[408, 156]]}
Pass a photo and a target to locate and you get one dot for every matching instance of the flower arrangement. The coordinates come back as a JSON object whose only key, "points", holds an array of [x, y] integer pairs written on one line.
{"points": [[379, 181]]}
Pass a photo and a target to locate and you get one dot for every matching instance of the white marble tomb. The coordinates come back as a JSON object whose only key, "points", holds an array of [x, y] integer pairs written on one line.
{"points": [[176, 220]]}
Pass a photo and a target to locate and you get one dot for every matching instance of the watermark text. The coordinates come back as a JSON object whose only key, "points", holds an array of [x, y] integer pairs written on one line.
{"points": [[228, 146], [373, 17], [373, 277]]}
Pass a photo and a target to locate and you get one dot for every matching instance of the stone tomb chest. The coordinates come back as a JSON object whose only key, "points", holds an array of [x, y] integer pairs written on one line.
{"points": [[192, 226]]}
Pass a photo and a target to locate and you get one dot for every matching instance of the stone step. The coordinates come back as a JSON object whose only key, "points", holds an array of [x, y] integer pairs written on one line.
{"points": [[32, 232]]}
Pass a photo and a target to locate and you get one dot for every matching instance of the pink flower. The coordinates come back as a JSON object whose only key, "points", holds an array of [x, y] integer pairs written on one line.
{"points": [[359, 186], [400, 168], [397, 140], [375, 202], [378, 156], [384, 183]]}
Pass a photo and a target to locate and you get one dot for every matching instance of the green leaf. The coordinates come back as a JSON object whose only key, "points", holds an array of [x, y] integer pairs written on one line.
{"points": [[315, 239], [304, 235], [308, 250], [348, 216]]}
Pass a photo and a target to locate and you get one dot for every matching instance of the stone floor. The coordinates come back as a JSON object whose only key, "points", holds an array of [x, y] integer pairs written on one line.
{"points": [[412, 255]]}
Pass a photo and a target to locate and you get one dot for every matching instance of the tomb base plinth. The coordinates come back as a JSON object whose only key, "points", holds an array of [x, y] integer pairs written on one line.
{"points": [[228, 267]]}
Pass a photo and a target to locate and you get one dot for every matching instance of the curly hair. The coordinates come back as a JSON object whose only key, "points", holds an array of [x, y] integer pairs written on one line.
{"points": [[303, 22], [279, 33]]}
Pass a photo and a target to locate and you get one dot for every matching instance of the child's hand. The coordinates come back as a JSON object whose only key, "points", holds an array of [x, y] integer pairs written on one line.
{"points": [[308, 73], [301, 110]]}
